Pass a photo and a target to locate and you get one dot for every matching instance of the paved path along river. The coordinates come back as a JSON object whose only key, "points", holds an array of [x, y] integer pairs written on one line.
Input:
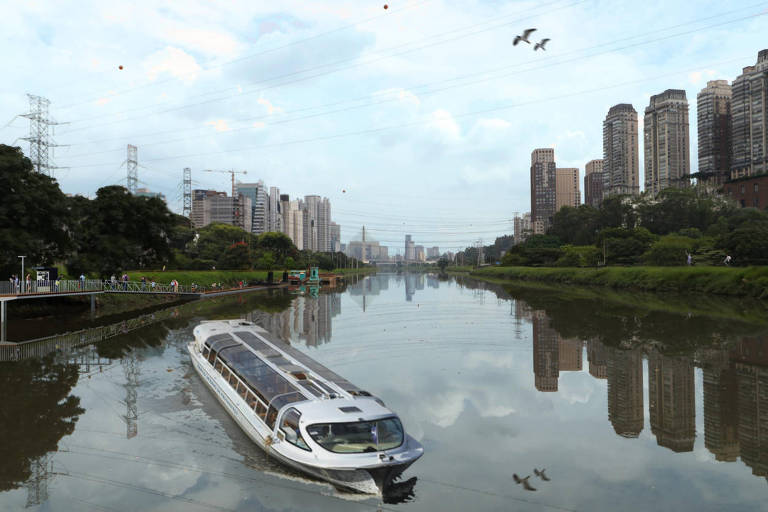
{"points": [[627, 407]]}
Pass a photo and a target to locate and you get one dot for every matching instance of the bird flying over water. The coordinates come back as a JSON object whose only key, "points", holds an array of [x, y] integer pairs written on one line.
{"points": [[524, 37], [540, 44], [541, 474], [523, 481]]}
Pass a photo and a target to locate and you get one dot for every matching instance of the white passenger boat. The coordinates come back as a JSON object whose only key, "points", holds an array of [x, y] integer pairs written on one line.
{"points": [[299, 411]]}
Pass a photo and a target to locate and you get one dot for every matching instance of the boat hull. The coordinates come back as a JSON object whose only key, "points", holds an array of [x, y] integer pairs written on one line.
{"points": [[367, 480]]}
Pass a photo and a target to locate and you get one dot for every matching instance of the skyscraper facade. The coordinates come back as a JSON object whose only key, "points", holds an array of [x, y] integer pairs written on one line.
{"points": [[317, 224], [621, 166], [543, 189], [257, 193], [713, 111], [209, 207], [274, 219], [666, 142], [522, 227], [593, 183], [410, 249], [567, 190], [335, 237], [749, 110]]}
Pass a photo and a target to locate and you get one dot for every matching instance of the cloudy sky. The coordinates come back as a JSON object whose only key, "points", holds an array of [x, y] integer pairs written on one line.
{"points": [[419, 118]]}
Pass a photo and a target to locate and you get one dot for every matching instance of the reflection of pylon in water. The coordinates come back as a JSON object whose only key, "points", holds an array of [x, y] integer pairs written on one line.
{"points": [[131, 369], [37, 485]]}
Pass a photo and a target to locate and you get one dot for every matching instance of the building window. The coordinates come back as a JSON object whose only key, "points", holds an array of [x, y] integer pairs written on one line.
{"points": [[756, 188], [742, 189]]}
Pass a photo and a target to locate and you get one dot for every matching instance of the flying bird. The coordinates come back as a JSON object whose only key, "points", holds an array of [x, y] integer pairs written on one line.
{"points": [[524, 37], [523, 481], [540, 44], [541, 474]]}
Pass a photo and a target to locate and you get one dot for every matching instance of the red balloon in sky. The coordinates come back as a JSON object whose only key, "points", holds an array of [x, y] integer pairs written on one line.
{"points": [[386, 6], [121, 67]]}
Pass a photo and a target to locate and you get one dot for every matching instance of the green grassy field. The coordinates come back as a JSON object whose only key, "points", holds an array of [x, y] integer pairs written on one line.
{"points": [[734, 281]]}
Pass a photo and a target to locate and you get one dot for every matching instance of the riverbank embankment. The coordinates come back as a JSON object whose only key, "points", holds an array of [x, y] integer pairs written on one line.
{"points": [[730, 281]]}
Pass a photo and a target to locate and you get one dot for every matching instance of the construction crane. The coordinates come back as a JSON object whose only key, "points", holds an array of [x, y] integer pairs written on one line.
{"points": [[232, 173]]}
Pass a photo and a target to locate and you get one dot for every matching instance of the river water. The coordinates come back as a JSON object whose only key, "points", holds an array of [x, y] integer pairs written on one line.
{"points": [[629, 402]]}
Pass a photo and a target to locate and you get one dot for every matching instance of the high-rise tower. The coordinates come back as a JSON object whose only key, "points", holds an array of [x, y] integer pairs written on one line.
{"points": [[666, 145], [713, 110], [620, 151]]}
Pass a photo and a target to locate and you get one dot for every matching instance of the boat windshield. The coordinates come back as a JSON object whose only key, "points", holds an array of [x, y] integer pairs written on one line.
{"points": [[359, 436]]}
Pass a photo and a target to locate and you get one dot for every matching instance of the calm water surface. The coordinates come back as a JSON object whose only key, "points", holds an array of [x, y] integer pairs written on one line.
{"points": [[627, 407]]}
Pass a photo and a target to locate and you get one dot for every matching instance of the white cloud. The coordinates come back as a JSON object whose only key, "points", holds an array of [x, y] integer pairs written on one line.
{"points": [[271, 109], [173, 61], [445, 125], [220, 125], [210, 42]]}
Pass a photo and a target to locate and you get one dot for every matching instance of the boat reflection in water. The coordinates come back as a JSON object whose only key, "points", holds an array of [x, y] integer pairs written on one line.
{"points": [[300, 412]]}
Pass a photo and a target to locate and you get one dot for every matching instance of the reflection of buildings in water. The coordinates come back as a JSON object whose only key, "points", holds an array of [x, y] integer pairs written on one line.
{"points": [[597, 355], [569, 354], [88, 360], [721, 409], [625, 391], [413, 282], [672, 401], [546, 357], [308, 318], [432, 281], [753, 402]]}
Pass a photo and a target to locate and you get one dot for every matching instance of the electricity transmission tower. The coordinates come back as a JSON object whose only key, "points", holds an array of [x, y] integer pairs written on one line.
{"points": [[132, 165], [37, 485], [131, 370], [186, 187], [40, 137]]}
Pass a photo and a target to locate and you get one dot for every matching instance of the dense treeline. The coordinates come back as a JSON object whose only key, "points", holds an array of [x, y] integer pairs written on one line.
{"points": [[651, 231], [116, 231]]}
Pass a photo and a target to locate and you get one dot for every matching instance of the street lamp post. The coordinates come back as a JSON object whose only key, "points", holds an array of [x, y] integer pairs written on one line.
{"points": [[21, 278]]}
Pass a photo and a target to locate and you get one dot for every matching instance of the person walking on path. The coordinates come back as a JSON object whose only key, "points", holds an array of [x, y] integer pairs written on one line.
{"points": [[125, 282], [727, 260], [82, 281], [29, 283], [143, 283], [112, 281], [689, 259]]}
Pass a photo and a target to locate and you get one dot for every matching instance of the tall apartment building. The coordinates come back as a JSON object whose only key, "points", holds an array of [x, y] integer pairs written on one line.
{"points": [[749, 111], [293, 220], [317, 224], [567, 189], [420, 254], [523, 227], [593, 183], [666, 142], [543, 189], [713, 111], [410, 249], [274, 218], [433, 253], [621, 166], [209, 207], [257, 193], [335, 237]]}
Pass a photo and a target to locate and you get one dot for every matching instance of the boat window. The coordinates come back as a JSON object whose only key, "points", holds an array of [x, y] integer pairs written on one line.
{"points": [[328, 390], [225, 372], [261, 410], [211, 341], [358, 437], [206, 351], [218, 366], [314, 390], [212, 356], [279, 402], [252, 340], [290, 427]]}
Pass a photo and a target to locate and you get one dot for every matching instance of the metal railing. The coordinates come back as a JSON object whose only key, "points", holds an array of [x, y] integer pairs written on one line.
{"points": [[51, 286], [150, 287]]}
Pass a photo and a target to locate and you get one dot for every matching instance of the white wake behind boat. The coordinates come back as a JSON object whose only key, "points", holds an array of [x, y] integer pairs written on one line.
{"points": [[299, 411]]}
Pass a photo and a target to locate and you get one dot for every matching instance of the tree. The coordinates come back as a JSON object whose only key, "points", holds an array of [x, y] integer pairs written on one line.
{"points": [[34, 216], [279, 244], [214, 239], [577, 226], [442, 263], [625, 246], [235, 257], [617, 212], [266, 261], [117, 231], [748, 244]]}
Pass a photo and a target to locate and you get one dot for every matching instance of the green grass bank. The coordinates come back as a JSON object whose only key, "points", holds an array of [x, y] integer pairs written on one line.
{"points": [[732, 281], [226, 277]]}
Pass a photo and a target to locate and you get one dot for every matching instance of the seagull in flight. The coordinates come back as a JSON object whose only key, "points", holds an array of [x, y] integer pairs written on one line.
{"points": [[523, 481], [524, 37], [540, 44], [541, 474]]}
